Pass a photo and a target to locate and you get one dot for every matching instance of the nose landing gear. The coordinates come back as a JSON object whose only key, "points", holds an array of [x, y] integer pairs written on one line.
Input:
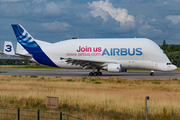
{"points": [[152, 73]]}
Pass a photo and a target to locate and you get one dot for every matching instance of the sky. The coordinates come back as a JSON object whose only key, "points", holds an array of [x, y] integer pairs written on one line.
{"points": [[57, 20]]}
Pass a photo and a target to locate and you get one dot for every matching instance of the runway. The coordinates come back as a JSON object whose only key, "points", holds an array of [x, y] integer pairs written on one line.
{"points": [[85, 73]]}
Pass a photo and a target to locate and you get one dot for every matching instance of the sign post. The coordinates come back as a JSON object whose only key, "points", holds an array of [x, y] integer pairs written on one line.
{"points": [[147, 108], [52, 102]]}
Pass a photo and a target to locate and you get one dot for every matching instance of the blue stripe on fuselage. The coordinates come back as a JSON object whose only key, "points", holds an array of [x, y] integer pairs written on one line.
{"points": [[41, 57]]}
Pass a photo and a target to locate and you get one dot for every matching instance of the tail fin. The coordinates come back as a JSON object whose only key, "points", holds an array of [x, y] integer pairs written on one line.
{"points": [[31, 46], [8, 48], [24, 38]]}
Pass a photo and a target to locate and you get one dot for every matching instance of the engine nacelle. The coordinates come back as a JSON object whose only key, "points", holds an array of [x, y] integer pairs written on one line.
{"points": [[113, 68]]}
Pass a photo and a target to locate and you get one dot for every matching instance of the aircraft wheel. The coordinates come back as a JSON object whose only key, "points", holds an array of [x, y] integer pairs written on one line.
{"points": [[100, 73], [152, 74], [96, 73], [91, 74]]}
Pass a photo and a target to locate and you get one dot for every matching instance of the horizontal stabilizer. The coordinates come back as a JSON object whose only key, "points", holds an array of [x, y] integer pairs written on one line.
{"points": [[26, 56]]}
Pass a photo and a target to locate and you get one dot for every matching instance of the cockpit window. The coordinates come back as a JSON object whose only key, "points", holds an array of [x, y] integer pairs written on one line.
{"points": [[169, 64]]}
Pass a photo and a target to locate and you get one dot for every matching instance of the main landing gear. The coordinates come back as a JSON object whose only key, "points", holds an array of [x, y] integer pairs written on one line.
{"points": [[152, 73], [93, 73]]}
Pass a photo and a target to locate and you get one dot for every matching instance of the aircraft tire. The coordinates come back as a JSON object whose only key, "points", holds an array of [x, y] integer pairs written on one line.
{"points": [[99, 73], [91, 74], [96, 73], [152, 74]]}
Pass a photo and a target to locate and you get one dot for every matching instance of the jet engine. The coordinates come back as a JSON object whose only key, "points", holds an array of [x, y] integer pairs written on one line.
{"points": [[113, 68]]}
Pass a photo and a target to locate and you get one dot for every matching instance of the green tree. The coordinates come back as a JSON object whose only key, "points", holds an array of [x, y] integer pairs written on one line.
{"points": [[18, 62], [1, 63], [7, 62], [164, 42], [12, 62], [164, 46]]}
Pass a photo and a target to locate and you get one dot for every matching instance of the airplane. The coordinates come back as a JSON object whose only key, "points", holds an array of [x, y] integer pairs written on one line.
{"points": [[111, 54]]}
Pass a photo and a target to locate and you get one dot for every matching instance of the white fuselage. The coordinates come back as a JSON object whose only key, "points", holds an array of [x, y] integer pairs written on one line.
{"points": [[138, 53]]}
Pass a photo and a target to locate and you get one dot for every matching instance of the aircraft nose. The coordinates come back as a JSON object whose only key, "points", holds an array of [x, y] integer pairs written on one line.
{"points": [[175, 67]]}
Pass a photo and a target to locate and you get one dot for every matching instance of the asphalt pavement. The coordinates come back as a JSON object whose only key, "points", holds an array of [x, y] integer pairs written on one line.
{"points": [[85, 73]]}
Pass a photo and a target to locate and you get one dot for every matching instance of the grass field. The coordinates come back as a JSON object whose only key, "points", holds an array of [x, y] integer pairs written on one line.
{"points": [[94, 98]]}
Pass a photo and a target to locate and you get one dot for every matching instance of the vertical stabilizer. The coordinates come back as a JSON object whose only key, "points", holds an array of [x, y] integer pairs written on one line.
{"points": [[8, 48], [31, 46], [24, 38]]}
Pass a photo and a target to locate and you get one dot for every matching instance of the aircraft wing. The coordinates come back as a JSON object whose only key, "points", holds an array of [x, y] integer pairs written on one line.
{"points": [[85, 63]]}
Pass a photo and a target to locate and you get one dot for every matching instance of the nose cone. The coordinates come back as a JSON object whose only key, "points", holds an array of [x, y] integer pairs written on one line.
{"points": [[169, 68], [174, 67]]}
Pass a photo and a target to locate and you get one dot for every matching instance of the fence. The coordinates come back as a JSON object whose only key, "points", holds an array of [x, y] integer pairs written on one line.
{"points": [[29, 114]]}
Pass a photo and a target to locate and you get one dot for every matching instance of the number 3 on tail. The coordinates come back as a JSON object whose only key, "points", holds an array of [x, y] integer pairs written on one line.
{"points": [[8, 48]]}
